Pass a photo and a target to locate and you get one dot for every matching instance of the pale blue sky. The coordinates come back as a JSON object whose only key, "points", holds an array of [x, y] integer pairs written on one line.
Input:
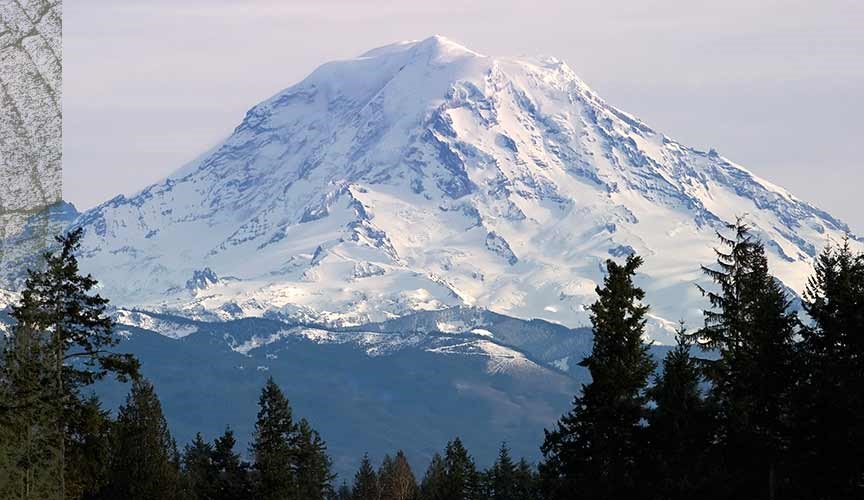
{"points": [[777, 86]]}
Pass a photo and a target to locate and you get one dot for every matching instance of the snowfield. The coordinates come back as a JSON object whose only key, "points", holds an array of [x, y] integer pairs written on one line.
{"points": [[423, 175]]}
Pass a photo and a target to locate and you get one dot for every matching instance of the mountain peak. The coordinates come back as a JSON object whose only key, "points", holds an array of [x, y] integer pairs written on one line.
{"points": [[423, 175]]}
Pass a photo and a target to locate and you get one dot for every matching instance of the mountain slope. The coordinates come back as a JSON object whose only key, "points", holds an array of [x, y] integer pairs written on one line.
{"points": [[423, 175]]}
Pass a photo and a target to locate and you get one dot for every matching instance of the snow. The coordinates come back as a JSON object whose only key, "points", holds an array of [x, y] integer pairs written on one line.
{"points": [[424, 175]]}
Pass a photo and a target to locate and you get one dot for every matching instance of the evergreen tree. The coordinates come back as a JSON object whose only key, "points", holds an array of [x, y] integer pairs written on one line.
{"points": [[273, 446], [62, 341], [90, 448], [462, 478], [434, 485], [366, 485], [397, 479], [594, 449], [343, 493], [232, 475], [313, 464], [829, 402], [679, 426], [752, 329], [502, 480], [199, 471], [144, 463], [526, 481]]}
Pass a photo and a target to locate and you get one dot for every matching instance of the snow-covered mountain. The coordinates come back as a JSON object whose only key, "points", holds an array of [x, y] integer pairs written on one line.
{"points": [[423, 175]]}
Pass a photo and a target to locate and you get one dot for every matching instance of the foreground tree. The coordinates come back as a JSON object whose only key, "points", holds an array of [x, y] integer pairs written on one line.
{"points": [[397, 479], [273, 446], [313, 464], [232, 474], [145, 462], [434, 485], [752, 329], [594, 449], [199, 471], [508, 480], [829, 403], [679, 429], [366, 482], [62, 341]]}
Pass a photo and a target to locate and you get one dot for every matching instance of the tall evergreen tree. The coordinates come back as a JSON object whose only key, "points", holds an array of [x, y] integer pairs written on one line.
{"points": [[232, 474], [502, 480], [594, 448], [90, 449], [679, 426], [199, 471], [434, 485], [144, 463], [752, 328], [62, 341], [397, 479], [462, 478], [313, 464], [273, 446], [829, 402], [366, 485], [343, 492]]}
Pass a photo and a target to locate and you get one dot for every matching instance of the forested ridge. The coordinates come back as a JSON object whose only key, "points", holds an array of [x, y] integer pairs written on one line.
{"points": [[756, 402]]}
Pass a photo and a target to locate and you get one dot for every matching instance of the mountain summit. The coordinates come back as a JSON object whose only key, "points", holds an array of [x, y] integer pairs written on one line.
{"points": [[423, 175]]}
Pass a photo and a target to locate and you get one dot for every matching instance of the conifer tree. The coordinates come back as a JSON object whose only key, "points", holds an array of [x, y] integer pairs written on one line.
{"points": [[526, 481], [144, 463], [313, 464], [434, 485], [829, 402], [232, 474], [594, 448], [751, 327], [397, 479], [343, 493], [502, 480], [462, 478], [679, 426], [366, 485], [273, 446], [199, 471], [90, 449]]}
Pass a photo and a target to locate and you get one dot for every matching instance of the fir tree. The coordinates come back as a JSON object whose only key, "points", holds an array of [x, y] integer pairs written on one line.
{"points": [[90, 448], [462, 478], [366, 485], [313, 464], [829, 402], [343, 493], [199, 471], [434, 485], [502, 480], [397, 479], [752, 329], [232, 475], [594, 449], [273, 446], [144, 464], [679, 426]]}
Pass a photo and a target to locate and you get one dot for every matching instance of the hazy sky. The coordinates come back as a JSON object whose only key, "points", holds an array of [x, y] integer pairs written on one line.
{"points": [[777, 86]]}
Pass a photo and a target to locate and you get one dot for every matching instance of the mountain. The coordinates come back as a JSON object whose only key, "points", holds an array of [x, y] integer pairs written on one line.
{"points": [[423, 175]]}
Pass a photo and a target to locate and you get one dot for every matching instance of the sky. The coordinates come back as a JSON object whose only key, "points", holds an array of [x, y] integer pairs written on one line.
{"points": [[776, 86]]}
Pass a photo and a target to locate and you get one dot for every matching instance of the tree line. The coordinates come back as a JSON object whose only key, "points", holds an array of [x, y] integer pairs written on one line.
{"points": [[758, 402]]}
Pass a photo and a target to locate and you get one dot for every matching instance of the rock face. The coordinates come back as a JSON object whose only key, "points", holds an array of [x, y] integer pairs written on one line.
{"points": [[423, 175], [30, 133]]}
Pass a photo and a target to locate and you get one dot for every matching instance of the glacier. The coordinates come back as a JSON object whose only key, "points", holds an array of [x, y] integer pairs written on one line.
{"points": [[422, 176]]}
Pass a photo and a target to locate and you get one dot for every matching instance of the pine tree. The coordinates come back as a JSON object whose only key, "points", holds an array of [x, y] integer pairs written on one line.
{"points": [[829, 402], [397, 479], [343, 493], [434, 485], [679, 426], [199, 471], [526, 481], [595, 447], [62, 341], [313, 464], [232, 475], [366, 485], [462, 478], [273, 446], [144, 464], [752, 329], [90, 448], [501, 477]]}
